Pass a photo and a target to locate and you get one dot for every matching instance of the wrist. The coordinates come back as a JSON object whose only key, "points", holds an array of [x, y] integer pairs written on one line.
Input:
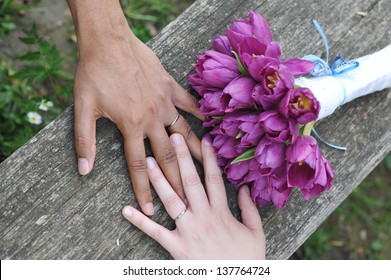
{"points": [[101, 27]]}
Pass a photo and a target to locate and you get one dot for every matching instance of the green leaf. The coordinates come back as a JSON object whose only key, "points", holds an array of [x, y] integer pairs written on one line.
{"points": [[242, 70], [5, 6], [5, 98], [308, 127], [245, 156], [36, 73], [28, 40], [30, 56], [8, 25], [32, 32], [52, 55]]}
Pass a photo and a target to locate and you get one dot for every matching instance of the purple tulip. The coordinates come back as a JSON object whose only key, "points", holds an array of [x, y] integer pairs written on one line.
{"points": [[270, 155], [265, 190], [214, 70], [251, 48], [232, 122], [238, 173], [242, 125], [239, 92], [199, 85], [222, 45], [212, 103], [298, 67], [307, 169], [255, 26], [261, 192], [278, 127], [274, 81], [226, 147], [252, 132], [301, 105]]}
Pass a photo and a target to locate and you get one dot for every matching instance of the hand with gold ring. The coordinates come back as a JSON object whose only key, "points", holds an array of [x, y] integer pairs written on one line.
{"points": [[205, 227], [120, 78]]}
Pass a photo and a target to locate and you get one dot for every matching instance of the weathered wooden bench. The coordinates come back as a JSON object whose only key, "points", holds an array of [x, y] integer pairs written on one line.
{"points": [[48, 211]]}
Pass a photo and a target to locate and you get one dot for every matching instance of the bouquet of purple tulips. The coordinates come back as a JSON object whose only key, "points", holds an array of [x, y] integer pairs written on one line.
{"points": [[260, 118]]}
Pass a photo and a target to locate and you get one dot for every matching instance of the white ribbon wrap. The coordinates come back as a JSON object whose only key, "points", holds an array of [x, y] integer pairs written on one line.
{"points": [[373, 74]]}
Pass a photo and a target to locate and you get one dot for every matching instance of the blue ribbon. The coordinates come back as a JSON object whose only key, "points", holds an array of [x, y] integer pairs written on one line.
{"points": [[322, 68], [328, 143], [340, 66]]}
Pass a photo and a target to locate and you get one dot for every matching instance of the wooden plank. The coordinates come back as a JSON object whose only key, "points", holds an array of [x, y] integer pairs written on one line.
{"points": [[48, 211]]}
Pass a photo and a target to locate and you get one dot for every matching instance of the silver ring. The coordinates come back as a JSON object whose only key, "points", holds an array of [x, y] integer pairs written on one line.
{"points": [[180, 215], [174, 121]]}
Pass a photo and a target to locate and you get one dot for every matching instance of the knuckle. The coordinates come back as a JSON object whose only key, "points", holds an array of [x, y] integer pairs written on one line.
{"points": [[138, 165], [155, 176], [182, 153], [153, 109], [192, 180], [142, 193], [167, 81], [214, 178], [168, 157], [157, 234], [83, 142], [172, 201], [163, 97], [136, 119]]}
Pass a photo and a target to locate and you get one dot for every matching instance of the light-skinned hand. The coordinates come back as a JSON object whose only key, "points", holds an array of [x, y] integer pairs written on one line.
{"points": [[207, 230]]}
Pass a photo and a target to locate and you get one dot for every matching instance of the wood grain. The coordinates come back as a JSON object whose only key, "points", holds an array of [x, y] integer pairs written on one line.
{"points": [[48, 211]]}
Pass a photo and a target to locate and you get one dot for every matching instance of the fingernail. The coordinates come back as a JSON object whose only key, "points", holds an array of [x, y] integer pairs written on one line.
{"points": [[176, 139], [127, 212], [83, 166], [150, 163], [148, 209]]}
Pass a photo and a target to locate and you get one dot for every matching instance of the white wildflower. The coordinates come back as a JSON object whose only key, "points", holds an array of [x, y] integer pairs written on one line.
{"points": [[34, 118], [44, 105]]}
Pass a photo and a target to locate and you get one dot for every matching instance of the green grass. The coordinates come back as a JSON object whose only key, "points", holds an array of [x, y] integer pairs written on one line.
{"points": [[8, 13], [147, 17], [40, 78]]}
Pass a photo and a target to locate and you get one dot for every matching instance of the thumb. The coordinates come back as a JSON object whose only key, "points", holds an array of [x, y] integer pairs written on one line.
{"points": [[187, 102], [250, 214], [85, 143]]}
